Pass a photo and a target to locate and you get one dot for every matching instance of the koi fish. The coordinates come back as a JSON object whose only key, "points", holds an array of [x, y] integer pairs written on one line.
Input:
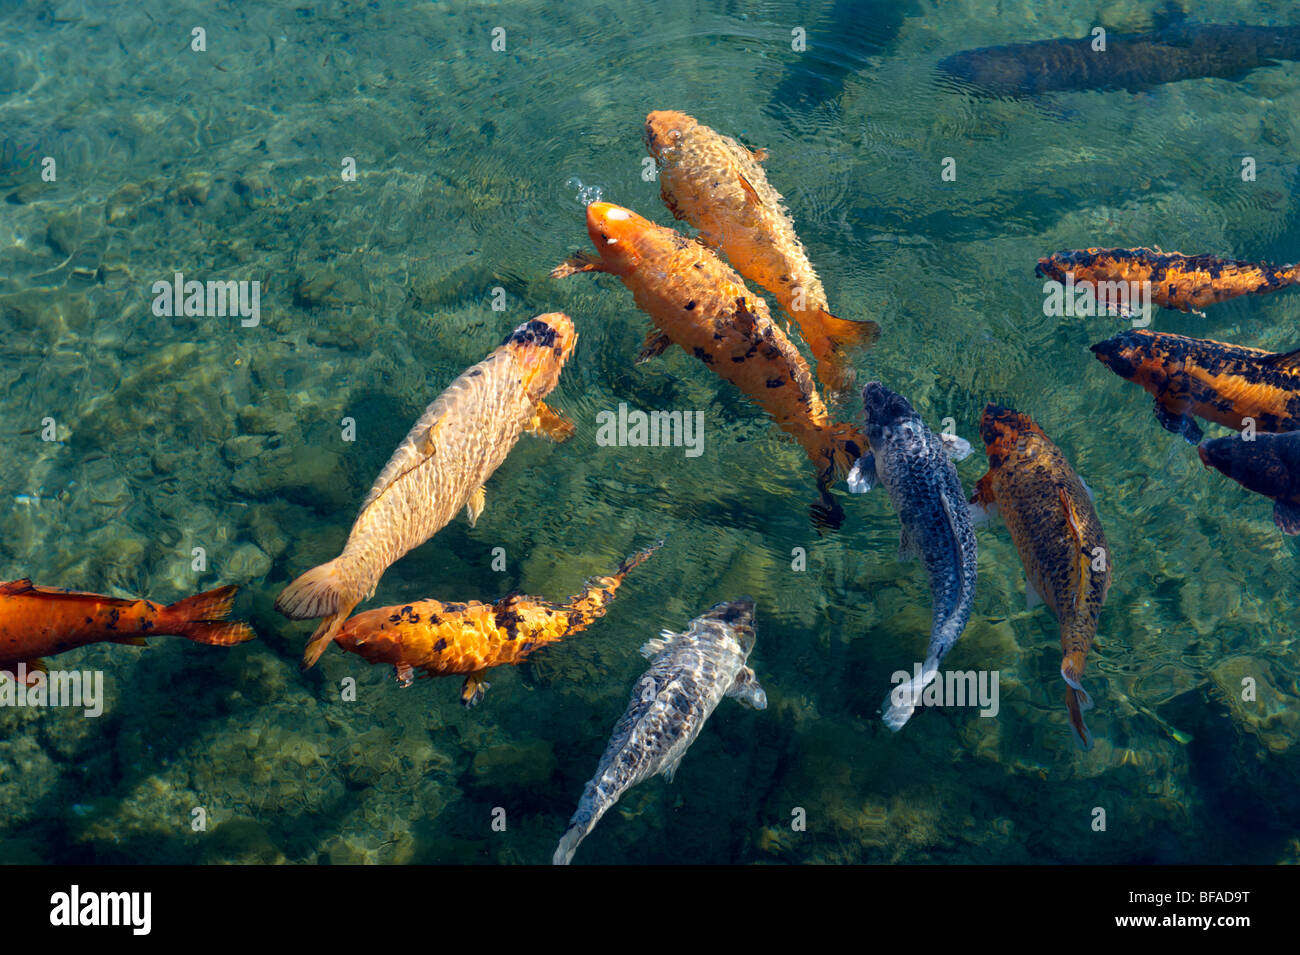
{"points": [[1269, 464], [1186, 283], [718, 186], [440, 468], [442, 639], [1222, 383], [43, 621], [698, 303], [915, 466], [1049, 512], [690, 673], [1134, 61]]}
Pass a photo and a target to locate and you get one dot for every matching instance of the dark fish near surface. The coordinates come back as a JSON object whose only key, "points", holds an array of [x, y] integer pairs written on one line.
{"points": [[689, 675], [1187, 283], [914, 464], [1269, 465], [1049, 512], [1218, 382], [1132, 61]]}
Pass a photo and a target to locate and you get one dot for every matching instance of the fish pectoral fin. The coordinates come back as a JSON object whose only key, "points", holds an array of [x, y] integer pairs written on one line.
{"points": [[746, 689], [474, 506], [132, 641], [656, 343], [549, 423], [472, 690], [1286, 515], [578, 262], [758, 155], [427, 443], [957, 449], [750, 192], [670, 770], [403, 674], [983, 506], [1033, 598], [31, 668], [862, 476], [1178, 423]]}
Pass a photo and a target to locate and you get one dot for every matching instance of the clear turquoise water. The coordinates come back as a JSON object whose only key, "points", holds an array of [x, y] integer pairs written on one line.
{"points": [[184, 432]]}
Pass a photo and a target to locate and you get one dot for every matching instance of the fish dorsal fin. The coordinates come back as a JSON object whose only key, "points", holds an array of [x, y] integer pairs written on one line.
{"points": [[1075, 523], [1284, 361]]}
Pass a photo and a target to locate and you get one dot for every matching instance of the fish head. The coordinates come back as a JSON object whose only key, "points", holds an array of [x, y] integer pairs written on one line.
{"points": [[1003, 429], [738, 617], [619, 235], [885, 411], [1136, 355], [1059, 264], [1263, 464], [541, 346], [664, 129]]}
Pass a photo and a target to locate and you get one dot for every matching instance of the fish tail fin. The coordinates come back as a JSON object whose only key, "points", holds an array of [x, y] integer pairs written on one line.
{"points": [[1291, 273], [831, 338], [580, 826], [1077, 700], [320, 592], [903, 699], [201, 618], [599, 591]]}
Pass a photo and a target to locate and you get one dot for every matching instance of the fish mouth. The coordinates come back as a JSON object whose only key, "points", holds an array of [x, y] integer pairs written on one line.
{"points": [[1049, 268], [663, 130]]}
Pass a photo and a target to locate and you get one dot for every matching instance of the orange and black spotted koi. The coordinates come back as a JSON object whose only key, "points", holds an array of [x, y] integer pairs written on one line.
{"points": [[1226, 384], [444, 639], [1186, 283]]}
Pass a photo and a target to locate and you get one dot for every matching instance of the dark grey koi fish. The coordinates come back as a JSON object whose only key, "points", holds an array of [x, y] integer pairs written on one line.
{"points": [[689, 674], [1267, 464], [914, 464], [1129, 61]]}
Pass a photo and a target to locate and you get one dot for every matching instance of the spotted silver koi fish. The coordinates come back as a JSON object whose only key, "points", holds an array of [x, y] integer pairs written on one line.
{"points": [[690, 673], [915, 466]]}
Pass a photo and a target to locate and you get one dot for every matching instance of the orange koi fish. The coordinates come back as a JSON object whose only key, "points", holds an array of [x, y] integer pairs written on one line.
{"points": [[1049, 512], [440, 468], [701, 305], [1186, 283], [718, 186], [1222, 383], [44, 621], [442, 639]]}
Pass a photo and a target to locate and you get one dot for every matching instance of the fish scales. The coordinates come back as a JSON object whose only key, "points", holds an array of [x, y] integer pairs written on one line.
{"points": [[1268, 464], [719, 186], [916, 469], [690, 673], [1216, 381], [1185, 283], [1057, 533], [699, 303], [442, 638], [439, 469]]}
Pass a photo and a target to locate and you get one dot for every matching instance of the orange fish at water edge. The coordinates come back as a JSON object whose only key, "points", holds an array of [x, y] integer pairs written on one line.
{"points": [[1186, 283], [1226, 384], [43, 621], [718, 186], [698, 303], [439, 469], [1048, 510], [442, 639]]}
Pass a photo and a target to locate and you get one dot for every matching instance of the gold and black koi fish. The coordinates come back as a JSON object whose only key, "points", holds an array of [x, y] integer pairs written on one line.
{"points": [[1222, 383], [1186, 283]]}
